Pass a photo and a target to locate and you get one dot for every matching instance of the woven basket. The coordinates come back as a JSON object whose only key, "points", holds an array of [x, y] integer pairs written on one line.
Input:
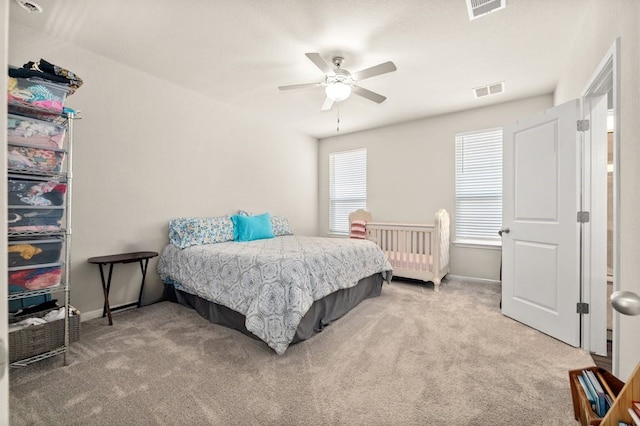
{"points": [[38, 339]]}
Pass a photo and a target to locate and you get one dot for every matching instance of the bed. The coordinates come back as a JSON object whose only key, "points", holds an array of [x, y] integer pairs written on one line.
{"points": [[417, 251], [281, 289]]}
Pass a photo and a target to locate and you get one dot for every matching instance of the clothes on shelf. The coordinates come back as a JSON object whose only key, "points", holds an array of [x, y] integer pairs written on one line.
{"points": [[54, 315], [48, 71]]}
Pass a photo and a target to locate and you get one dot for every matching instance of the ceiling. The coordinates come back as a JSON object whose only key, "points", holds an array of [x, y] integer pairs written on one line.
{"points": [[239, 51]]}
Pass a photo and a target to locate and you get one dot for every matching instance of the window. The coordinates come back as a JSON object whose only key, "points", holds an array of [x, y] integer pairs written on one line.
{"points": [[347, 187], [479, 187]]}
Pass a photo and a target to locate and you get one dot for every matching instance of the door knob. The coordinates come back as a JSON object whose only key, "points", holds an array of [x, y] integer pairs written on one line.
{"points": [[626, 302], [504, 230]]}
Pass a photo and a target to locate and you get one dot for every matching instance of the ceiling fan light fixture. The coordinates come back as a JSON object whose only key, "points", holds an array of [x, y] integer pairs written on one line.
{"points": [[338, 91], [30, 6], [339, 83]]}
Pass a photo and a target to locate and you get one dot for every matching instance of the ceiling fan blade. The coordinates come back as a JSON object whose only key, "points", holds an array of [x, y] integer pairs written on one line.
{"points": [[327, 104], [300, 86], [319, 62], [373, 71], [372, 96]]}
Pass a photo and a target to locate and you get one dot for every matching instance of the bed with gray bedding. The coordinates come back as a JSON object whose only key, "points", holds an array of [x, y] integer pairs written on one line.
{"points": [[280, 290]]}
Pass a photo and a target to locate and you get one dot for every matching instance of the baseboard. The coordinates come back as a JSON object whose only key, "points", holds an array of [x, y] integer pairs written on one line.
{"points": [[463, 278], [86, 316]]}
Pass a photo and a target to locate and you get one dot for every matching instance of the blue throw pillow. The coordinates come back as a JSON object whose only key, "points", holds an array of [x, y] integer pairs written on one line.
{"points": [[249, 228], [280, 224]]}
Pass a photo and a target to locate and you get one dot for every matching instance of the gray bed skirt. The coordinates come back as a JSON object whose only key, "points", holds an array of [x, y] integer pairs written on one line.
{"points": [[321, 313]]}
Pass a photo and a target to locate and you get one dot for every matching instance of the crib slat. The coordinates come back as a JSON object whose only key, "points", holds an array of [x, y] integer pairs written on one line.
{"points": [[407, 246], [415, 250]]}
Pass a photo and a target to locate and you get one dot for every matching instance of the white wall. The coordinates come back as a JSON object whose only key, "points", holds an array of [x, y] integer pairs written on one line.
{"points": [[604, 21], [147, 151], [411, 171]]}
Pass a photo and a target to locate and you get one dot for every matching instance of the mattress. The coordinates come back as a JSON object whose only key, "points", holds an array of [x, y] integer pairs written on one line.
{"points": [[273, 282]]}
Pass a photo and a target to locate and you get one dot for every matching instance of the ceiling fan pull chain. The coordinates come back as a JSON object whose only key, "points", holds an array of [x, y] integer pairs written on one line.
{"points": [[338, 119]]}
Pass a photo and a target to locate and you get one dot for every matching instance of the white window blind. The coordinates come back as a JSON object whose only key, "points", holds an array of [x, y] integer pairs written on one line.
{"points": [[479, 187], [347, 187]]}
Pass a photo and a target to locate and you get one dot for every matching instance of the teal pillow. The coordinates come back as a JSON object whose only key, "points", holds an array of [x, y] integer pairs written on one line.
{"points": [[249, 228], [279, 224]]}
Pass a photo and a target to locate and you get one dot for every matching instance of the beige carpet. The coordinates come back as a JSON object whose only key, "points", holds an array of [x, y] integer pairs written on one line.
{"points": [[409, 357]]}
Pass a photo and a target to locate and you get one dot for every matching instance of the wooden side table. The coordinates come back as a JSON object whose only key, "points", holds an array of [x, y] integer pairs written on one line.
{"points": [[139, 256]]}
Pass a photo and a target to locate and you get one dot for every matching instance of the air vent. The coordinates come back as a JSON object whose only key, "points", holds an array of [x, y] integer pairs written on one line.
{"points": [[478, 8], [491, 89]]}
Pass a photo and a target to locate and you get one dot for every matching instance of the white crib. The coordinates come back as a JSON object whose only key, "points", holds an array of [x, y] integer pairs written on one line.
{"points": [[415, 251]]}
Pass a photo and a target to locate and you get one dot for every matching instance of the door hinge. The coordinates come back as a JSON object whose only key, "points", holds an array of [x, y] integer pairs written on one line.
{"points": [[582, 308], [583, 217], [583, 125]]}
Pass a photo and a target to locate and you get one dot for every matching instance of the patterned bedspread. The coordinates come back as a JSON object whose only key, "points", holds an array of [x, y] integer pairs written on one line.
{"points": [[272, 282]]}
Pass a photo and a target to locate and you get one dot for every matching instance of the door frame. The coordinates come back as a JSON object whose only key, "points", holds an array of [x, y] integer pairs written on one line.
{"points": [[604, 79], [4, 288]]}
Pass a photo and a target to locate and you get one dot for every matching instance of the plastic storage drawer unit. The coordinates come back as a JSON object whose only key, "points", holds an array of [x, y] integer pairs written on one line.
{"points": [[34, 251], [32, 94], [25, 130], [35, 277], [25, 219], [29, 192], [34, 159]]}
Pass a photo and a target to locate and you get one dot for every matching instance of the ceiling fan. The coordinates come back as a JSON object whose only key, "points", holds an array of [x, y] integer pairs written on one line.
{"points": [[340, 83]]}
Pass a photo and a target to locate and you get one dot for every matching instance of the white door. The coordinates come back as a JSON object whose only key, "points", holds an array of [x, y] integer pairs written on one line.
{"points": [[540, 240]]}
